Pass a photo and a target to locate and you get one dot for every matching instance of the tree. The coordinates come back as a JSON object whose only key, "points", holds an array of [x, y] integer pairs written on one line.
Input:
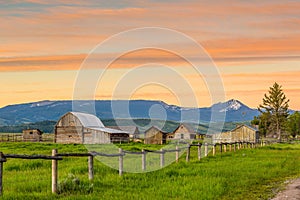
{"points": [[263, 123], [275, 104], [293, 124]]}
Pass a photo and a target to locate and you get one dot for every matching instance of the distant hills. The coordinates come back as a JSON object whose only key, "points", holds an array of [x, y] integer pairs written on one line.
{"points": [[233, 111]]}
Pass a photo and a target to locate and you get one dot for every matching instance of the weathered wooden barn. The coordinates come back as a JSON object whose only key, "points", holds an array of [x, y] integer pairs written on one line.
{"points": [[154, 135], [82, 128], [32, 135], [242, 133], [133, 131], [184, 132]]}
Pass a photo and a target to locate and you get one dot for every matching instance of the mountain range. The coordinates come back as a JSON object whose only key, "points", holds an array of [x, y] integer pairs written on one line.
{"points": [[230, 111]]}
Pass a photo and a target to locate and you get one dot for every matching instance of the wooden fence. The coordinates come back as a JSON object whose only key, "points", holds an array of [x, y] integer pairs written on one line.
{"points": [[56, 156], [12, 137]]}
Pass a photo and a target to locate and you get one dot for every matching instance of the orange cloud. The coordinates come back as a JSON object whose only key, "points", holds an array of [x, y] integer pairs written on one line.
{"points": [[40, 63]]}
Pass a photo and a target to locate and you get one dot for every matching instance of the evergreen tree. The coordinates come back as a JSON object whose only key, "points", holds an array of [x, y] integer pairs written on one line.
{"points": [[275, 104], [263, 123], [293, 124]]}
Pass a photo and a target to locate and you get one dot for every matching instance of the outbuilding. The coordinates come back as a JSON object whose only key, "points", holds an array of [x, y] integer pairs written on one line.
{"points": [[184, 132], [32, 135], [242, 133], [155, 135]]}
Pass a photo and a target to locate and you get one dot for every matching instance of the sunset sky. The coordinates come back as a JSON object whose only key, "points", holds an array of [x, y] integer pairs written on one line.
{"points": [[253, 44]]}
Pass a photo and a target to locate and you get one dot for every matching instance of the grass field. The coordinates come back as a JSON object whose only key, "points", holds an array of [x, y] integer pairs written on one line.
{"points": [[245, 174]]}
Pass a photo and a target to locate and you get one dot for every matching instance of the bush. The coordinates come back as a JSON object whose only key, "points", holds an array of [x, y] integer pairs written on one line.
{"points": [[72, 184]]}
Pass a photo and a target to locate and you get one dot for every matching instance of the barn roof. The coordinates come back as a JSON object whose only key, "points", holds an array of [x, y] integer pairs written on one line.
{"points": [[93, 122], [190, 128], [38, 130], [252, 128], [88, 120], [129, 129], [155, 127], [109, 130]]}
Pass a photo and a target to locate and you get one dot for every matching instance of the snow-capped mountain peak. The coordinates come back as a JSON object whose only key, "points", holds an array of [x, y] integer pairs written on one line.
{"points": [[41, 103], [231, 105]]}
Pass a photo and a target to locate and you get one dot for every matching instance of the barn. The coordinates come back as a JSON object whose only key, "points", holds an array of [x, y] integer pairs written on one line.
{"points": [[184, 132], [154, 135], [83, 128], [242, 133], [32, 135]]}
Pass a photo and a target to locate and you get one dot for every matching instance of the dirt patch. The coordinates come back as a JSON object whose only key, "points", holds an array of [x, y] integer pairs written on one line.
{"points": [[292, 191]]}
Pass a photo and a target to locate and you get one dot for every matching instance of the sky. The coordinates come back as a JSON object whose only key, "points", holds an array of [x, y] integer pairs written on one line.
{"points": [[43, 45]]}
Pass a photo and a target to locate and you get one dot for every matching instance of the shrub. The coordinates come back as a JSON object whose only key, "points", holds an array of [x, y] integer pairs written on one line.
{"points": [[72, 184]]}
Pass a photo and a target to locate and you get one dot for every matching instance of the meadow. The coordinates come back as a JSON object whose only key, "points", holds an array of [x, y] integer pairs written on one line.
{"points": [[246, 174]]}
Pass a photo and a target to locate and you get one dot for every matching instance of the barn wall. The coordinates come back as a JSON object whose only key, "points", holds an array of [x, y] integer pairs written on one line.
{"points": [[69, 120], [32, 136], [68, 135], [153, 136], [240, 134], [182, 131], [92, 136]]}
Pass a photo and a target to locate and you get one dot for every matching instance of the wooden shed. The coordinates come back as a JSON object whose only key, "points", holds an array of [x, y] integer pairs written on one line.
{"points": [[83, 128], [184, 132], [242, 133], [32, 135], [154, 135]]}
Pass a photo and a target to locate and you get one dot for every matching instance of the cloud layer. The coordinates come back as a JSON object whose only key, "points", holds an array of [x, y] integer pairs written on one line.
{"points": [[253, 43]]}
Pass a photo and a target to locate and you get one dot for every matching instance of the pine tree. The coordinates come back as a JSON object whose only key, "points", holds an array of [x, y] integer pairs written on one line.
{"points": [[263, 123], [293, 124], [275, 104]]}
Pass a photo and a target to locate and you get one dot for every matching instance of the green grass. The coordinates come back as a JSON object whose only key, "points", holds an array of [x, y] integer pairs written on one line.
{"points": [[245, 174]]}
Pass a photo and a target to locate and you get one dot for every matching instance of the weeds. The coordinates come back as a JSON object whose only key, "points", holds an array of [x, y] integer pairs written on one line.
{"points": [[72, 184]]}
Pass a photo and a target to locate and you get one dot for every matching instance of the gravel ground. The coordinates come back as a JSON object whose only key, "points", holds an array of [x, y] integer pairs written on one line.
{"points": [[292, 191]]}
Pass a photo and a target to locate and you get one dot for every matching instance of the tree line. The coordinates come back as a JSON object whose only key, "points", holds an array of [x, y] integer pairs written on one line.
{"points": [[275, 118]]}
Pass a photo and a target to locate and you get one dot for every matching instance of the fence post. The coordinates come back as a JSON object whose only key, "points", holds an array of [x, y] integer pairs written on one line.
{"points": [[2, 160], [205, 149], [199, 151], [230, 147], [143, 160], [214, 149], [177, 154], [225, 147], [120, 162], [188, 153], [91, 167], [162, 158], [54, 172], [234, 147], [221, 148]]}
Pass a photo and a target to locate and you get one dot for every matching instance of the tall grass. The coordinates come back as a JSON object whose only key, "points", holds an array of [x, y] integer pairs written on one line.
{"points": [[245, 174]]}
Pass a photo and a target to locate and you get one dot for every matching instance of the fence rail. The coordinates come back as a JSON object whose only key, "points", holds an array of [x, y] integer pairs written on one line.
{"points": [[55, 157], [15, 137]]}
